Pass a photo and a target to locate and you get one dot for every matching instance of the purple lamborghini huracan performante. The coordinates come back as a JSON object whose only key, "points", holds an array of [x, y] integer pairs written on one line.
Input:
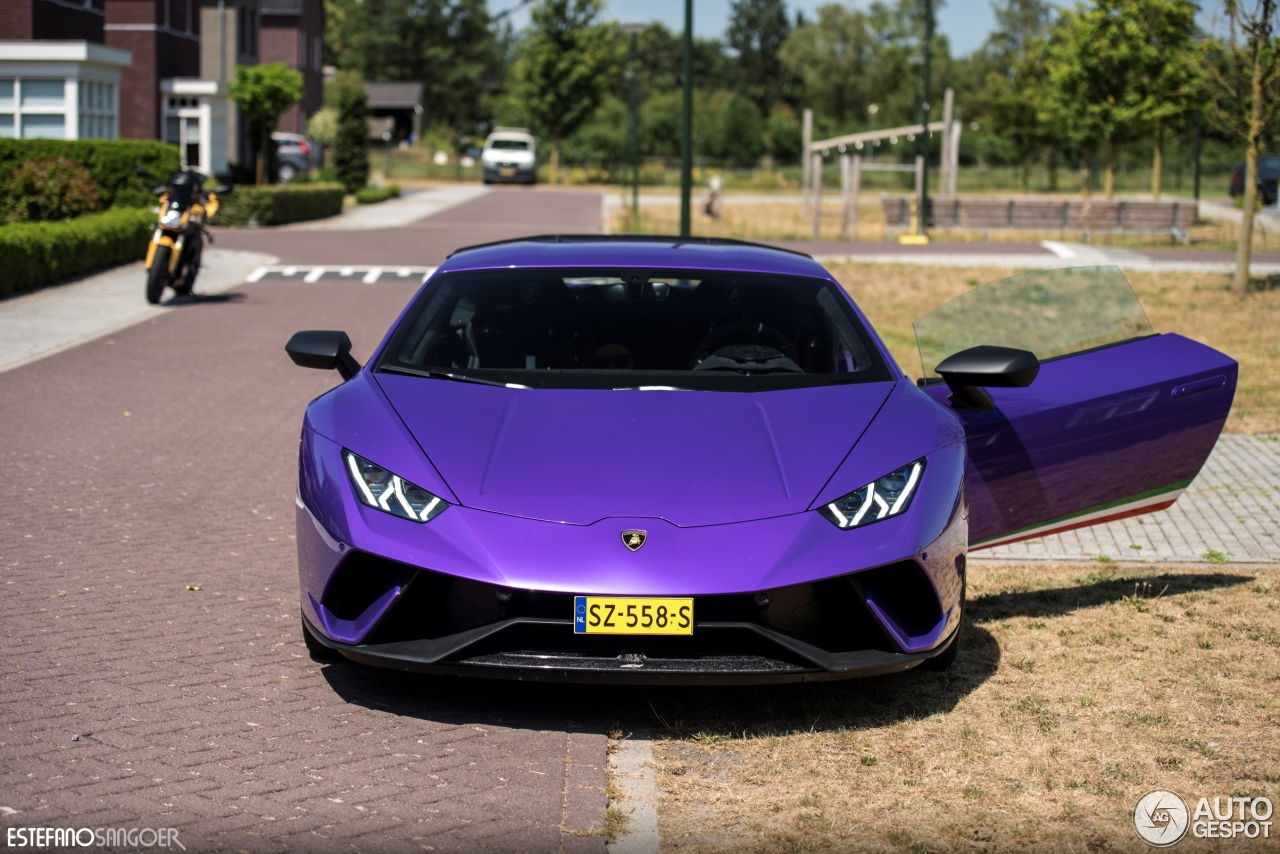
{"points": [[660, 460]]}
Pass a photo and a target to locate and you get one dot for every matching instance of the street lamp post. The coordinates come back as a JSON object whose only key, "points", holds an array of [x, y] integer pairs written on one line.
{"points": [[923, 146], [633, 141], [686, 124]]}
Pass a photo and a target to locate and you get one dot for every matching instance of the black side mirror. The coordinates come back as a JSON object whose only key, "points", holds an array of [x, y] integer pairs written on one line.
{"points": [[968, 371], [324, 349]]}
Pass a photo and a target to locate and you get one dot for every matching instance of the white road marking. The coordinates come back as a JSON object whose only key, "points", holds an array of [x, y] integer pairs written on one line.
{"points": [[257, 274], [289, 271], [314, 274], [347, 271], [372, 276]]}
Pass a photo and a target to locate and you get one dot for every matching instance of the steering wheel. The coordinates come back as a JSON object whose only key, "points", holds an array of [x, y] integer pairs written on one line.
{"points": [[751, 331]]}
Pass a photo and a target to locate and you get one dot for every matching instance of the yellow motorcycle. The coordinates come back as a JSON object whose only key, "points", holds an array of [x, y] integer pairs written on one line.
{"points": [[173, 257]]}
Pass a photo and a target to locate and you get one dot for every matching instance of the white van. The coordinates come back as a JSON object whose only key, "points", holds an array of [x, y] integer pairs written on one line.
{"points": [[510, 155]]}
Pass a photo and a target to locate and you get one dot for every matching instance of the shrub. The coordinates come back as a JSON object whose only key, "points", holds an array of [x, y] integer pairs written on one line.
{"points": [[110, 162], [50, 188], [36, 253], [351, 148], [279, 204], [373, 195]]}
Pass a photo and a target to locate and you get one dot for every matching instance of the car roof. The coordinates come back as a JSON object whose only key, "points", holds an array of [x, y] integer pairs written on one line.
{"points": [[598, 250]]}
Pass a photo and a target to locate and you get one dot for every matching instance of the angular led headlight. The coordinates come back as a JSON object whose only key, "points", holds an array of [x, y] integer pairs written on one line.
{"points": [[888, 496], [378, 488]]}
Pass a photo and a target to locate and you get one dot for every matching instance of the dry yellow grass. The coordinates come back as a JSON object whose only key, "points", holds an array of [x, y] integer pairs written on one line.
{"points": [[1076, 692], [1197, 305]]}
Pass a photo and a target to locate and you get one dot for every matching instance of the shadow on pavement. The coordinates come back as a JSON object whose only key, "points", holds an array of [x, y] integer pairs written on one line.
{"points": [[193, 299]]}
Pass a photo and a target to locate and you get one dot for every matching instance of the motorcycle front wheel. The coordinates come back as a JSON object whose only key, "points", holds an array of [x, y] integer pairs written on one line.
{"points": [[189, 266], [158, 274]]}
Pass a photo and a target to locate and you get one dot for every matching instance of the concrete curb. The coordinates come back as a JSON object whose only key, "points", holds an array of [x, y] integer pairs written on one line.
{"points": [[631, 772]]}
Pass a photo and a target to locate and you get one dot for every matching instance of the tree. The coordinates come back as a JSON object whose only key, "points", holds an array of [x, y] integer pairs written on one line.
{"points": [[351, 147], [1244, 97], [757, 30], [1172, 82], [263, 92], [450, 46], [1014, 103], [561, 72]]}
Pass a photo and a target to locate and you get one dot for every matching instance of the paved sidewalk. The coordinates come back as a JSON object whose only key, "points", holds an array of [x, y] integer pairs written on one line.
{"points": [[1231, 512], [394, 213], [49, 320]]}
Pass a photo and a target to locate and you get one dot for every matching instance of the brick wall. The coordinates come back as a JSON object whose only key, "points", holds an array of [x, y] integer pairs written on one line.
{"points": [[17, 20], [282, 42]]}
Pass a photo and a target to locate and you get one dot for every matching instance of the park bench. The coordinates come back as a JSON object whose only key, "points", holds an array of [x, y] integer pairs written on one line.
{"points": [[1077, 215]]}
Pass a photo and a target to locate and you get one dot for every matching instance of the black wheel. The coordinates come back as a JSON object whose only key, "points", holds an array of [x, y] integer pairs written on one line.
{"points": [[947, 657], [319, 652], [158, 275], [189, 266]]}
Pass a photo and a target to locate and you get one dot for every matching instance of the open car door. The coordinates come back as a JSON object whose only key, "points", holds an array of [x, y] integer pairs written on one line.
{"points": [[1117, 422]]}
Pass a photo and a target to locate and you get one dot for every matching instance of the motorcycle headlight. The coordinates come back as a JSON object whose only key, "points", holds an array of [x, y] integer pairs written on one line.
{"points": [[378, 488], [172, 218], [881, 499]]}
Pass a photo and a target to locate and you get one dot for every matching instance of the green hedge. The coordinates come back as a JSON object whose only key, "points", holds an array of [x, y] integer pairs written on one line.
{"points": [[373, 195], [37, 253], [279, 204], [111, 163]]}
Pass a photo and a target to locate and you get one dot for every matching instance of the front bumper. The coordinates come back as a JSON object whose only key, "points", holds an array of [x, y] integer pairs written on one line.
{"points": [[512, 173], [483, 594]]}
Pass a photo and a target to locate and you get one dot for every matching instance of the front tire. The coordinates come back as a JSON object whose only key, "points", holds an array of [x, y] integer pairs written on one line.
{"points": [[189, 267], [319, 652], [158, 274]]}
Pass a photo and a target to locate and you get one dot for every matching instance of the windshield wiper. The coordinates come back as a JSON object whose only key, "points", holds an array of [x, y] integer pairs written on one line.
{"points": [[446, 375]]}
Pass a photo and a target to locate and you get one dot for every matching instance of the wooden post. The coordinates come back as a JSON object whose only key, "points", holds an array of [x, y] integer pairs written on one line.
{"points": [[806, 140], [921, 221], [948, 102], [953, 156], [816, 172], [844, 195]]}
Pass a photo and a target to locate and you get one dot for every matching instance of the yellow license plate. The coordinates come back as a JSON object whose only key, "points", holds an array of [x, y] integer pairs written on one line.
{"points": [[628, 615], [507, 172]]}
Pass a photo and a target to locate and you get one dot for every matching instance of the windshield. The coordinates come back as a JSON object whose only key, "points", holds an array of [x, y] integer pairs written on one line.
{"points": [[601, 328], [1049, 312], [508, 145]]}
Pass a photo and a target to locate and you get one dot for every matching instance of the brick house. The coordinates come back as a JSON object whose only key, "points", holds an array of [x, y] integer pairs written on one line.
{"points": [[293, 33], [58, 78]]}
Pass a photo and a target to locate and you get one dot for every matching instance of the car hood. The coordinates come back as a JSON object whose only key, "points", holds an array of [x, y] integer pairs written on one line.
{"points": [[578, 456]]}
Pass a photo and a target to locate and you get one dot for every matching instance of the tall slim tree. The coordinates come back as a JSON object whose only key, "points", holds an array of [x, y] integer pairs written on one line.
{"points": [[351, 147], [1244, 76], [1173, 77], [562, 71], [757, 30]]}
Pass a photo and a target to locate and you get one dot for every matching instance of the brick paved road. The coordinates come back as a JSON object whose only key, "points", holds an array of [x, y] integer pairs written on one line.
{"points": [[502, 213], [162, 458]]}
